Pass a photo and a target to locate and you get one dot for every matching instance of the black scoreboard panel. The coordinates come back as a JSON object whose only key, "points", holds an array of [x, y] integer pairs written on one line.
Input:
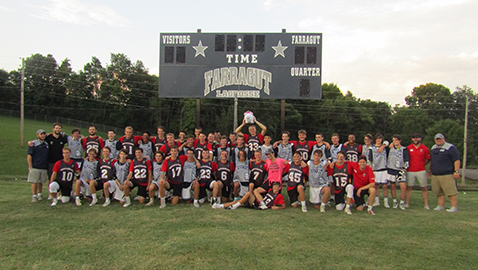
{"points": [[243, 65]]}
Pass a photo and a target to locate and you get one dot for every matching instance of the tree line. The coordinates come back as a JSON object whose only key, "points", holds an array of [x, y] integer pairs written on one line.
{"points": [[123, 93]]}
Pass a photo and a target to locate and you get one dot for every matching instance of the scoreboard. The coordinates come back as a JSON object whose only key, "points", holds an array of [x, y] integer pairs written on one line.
{"points": [[243, 65]]}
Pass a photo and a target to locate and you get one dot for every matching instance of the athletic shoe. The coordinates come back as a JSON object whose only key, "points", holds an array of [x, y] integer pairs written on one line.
{"points": [[403, 206], [39, 197], [322, 208], [371, 212], [216, 206], [376, 202], [439, 208], [106, 203], [126, 204], [94, 201], [136, 198], [385, 204], [54, 203], [295, 203], [78, 202], [151, 203], [196, 204], [406, 205], [263, 206], [304, 208], [452, 210], [161, 206], [427, 207], [50, 198], [348, 211], [395, 205], [203, 200], [34, 198]]}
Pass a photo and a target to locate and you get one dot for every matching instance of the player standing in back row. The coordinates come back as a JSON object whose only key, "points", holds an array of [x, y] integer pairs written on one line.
{"points": [[254, 140]]}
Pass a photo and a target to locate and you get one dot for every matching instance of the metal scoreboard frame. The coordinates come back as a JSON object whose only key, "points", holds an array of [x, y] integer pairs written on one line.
{"points": [[241, 65]]}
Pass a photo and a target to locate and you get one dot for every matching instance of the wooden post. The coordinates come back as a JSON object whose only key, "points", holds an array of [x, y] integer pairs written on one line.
{"points": [[22, 105]]}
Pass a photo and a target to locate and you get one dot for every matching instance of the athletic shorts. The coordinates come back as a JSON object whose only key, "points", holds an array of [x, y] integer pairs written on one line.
{"points": [[340, 197], [294, 193], [361, 200], [394, 178], [444, 185], [141, 189], [315, 195], [63, 186], [177, 188], [420, 177], [243, 187], [37, 176], [226, 191], [99, 185], [118, 194], [380, 177], [186, 191]]}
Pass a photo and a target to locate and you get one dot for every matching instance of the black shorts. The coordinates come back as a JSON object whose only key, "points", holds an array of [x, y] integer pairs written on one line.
{"points": [[226, 191], [65, 188], [361, 200], [99, 185], [294, 193], [266, 186], [253, 206], [340, 197], [177, 188], [141, 189]]}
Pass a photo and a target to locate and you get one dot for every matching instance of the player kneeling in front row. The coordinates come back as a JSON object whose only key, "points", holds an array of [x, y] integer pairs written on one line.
{"points": [[340, 174], [153, 189], [190, 177], [116, 186], [295, 186], [241, 176], [318, 180], [139, 176], [272, 200], [364, 182], [62, 176], [89, 172], [106, 172], [206, 181], [172, 177]]}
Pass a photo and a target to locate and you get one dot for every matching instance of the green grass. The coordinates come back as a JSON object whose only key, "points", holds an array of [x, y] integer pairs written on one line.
{"points": [[35, 235]]}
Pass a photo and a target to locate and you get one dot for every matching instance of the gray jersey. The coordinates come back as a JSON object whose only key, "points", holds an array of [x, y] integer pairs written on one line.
{"points": [[241, 172], [112, 146], [323, 147], [89, 170], [379, 159], [334, 151], [366, 151], [189, 169], [264, 148], [76, 148], [236, 153], [156, 171], [317, 174], [147, 149], [285, 151], [122, 171], [396, 158]]}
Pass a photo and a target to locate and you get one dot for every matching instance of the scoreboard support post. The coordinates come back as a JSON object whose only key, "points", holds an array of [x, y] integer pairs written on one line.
{"points": [[282, 115], [198, 112]]}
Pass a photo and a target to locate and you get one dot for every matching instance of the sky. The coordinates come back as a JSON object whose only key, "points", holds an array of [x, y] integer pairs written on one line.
{"points": [[379, 50]]}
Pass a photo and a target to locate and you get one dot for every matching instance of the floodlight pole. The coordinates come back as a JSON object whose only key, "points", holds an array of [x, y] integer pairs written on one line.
{"points": [[235, 111], [22, 98]]}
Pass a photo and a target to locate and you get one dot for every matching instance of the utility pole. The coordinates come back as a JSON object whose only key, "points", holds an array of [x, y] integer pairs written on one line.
{"points": [[465, 139], [22, 98]]}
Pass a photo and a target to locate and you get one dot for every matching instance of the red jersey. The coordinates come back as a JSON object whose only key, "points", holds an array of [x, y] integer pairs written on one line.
{"points": [[166, 149], [254, 141], [304, 148], [65, 170], [158, 143], [94, 142], [174, 169], [199, 148], [130, 144], [296, 175], [272, 199], [140, 171], [418, 157], [360, 178]]}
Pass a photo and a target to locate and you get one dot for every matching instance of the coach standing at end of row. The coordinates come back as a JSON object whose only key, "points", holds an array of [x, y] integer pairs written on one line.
{"points": [[444, 167]]}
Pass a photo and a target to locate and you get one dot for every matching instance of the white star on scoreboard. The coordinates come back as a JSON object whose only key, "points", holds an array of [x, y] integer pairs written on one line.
{"points": [[279, 49], [200, 49]]}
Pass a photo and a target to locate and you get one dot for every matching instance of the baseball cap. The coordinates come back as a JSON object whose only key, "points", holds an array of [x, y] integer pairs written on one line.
{"points": [[416, 135], [269, 151], [40, 131], [439, 136], [362, 157]]}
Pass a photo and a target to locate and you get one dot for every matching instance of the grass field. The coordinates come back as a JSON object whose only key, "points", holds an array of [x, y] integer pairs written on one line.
{"points": [[37, 236]]}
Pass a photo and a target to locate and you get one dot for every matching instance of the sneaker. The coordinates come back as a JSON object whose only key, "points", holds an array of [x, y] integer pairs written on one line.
{"points": [[136, 198], [78, 202], [296, 203], [126, 204], [161, 206], [151, 203], [54, 202], [39, 197], [376, 202], [439, 208], [263, 206], [371, 212], [385, 204], [322, 208], [50, 198], [34, 198], [229, 208], [94, 201], [406, 205], [106, 203], [196, 204], [452, 210], [427, 207], [304, 208], [395, 205], [216, 205], [402, 206], [348, 211]]}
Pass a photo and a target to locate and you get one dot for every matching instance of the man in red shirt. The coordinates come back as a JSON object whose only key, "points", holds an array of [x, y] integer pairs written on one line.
{"points": [[364, 182], [419, 157]]}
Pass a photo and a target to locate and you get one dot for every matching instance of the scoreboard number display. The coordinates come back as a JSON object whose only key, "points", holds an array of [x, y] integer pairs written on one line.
{"points": [[243, 65]]}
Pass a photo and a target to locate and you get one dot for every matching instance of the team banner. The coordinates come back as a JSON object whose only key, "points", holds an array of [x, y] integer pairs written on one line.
{"points": [[250, 65]]}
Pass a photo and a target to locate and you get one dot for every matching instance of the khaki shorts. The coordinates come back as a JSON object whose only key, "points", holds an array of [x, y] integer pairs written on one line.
{"points": [[444, 185], [36, 176], [420, 177]]}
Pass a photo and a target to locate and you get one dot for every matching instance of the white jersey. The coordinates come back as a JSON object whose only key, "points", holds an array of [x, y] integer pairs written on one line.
{"points": [[147, 149], [189, 169], [241, 172], [89, 170], [122, 171], [112, 146], [334, 150], [284, 151], [264, 148], [317, 174], [76, 148], [156, 170]]}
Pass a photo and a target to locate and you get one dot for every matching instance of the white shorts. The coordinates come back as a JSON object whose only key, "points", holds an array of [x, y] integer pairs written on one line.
{"points": [[394, 178], [85, 188], [420, 177], [118, 194], [243, 189], [186, 194], [211, 185], [380, 177], [315, 195]]}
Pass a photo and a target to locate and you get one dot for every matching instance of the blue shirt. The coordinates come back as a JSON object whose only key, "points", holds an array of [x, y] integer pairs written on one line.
{"points": [[39, 152], [443, 159]]}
